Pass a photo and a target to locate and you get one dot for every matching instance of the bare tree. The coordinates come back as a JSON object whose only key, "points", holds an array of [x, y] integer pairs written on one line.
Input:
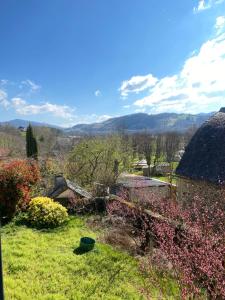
{"points": [[146, 147], [172, 143], [158, 150]]}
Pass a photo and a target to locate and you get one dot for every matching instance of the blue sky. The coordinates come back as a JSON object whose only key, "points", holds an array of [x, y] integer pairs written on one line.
{"points": [[66, 62]]}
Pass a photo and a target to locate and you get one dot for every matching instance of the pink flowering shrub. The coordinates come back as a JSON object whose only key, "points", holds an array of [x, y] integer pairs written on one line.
{"points": [[191, 239]]}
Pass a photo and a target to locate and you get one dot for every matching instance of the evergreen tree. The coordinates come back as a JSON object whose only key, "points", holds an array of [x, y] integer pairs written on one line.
{"points": [[31, 143]]}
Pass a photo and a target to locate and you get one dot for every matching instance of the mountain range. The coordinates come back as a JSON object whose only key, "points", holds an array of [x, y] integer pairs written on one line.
{"points": [[142, 122], [129, 123], [24, 123]]}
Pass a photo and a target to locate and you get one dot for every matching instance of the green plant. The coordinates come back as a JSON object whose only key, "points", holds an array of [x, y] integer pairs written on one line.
{"points": [[31, 143], [98, 159], [16, 179], [44, 212], [43, 266]]}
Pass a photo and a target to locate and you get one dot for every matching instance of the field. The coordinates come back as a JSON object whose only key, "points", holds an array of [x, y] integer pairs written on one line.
{"points": [[42, 265]]}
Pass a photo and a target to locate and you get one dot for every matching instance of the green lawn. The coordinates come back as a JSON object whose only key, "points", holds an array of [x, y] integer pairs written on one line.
{"points": [[41, 265], [166, 179]]}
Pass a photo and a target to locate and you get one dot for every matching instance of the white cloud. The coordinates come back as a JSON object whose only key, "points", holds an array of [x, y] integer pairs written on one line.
{"points": [[85, 119], [3, 99], [102, 118], [140, 110], [203, 5], [18, 102], [126, 106], [30, 84], [98, 93], [24, 108], [3, 82], [137, 84], [220, 24], [61, 111], [65, 114], [199, 86]]}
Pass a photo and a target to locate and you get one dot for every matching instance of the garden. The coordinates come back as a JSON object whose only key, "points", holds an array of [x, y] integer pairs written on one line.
{"points": [[43, 264], [146, 248], [41, 253]]}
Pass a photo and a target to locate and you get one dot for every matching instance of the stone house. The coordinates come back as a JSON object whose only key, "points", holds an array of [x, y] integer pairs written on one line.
{"points": [[22, 129], [131, 184], [161, 168], [139, 165], [201, 171], [64, 190]]}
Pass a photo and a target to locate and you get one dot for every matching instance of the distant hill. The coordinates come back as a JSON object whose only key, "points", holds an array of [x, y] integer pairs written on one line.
{"points": [[129, 123], [24, 123], [141, 122]]}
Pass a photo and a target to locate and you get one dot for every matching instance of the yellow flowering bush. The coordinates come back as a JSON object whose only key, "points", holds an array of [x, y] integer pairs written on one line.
{"points": [[44, 212]]}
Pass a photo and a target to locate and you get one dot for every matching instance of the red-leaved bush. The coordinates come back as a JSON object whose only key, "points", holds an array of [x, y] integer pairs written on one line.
{"points": [[16, 180], [190, 238]]}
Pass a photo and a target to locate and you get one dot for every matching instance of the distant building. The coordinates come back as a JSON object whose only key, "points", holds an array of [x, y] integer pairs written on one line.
{"points": [[140, 164], [201, 170], [179, 155], [64, 190], [22, 129], [161, 168], [132, 183]]}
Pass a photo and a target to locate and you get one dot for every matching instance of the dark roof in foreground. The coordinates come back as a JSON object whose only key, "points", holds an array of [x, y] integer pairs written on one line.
{"points": [[204, 157], [62, 184], [136, 181]]}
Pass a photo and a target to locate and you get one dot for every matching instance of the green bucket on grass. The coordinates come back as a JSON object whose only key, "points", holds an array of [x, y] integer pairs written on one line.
{"points": [[87, 243]]}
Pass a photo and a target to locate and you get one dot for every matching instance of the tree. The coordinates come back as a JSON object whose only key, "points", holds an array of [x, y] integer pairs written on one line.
{"points": [[31, 143], [158, 150], [99, 159], [172, 142], [147, 146]]}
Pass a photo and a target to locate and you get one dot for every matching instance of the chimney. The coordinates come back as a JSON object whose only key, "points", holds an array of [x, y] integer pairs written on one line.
{"points": [[60, 181]]}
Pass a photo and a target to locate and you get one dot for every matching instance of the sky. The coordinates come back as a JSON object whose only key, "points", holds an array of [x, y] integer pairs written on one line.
{"points": [[66, 62]]}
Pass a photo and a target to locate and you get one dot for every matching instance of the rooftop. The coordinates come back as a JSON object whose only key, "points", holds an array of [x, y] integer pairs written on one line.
{"points": [[62, 184], [204, 157], [135, 181]]}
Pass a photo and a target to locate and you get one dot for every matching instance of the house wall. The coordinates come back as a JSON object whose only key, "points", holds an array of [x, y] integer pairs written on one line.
{"points": [[159, 192], [64, 197], [187, 189]]}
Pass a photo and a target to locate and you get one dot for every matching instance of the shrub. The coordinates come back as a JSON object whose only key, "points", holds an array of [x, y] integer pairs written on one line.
{"points": [[191, 239], [16, 180], [43, 212], [86, 206]]}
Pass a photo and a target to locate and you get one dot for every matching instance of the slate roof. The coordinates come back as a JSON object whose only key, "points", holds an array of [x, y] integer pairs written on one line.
{"points": [[77, 189], [62, 184], [204, 157]]}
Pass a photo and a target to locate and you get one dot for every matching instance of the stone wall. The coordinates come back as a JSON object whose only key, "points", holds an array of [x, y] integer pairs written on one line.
{"points": [[187, 189]]}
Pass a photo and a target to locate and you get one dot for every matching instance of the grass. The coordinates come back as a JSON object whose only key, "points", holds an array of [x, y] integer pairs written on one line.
{"points": [[166, 179], [163, 178], [42, 265]]}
